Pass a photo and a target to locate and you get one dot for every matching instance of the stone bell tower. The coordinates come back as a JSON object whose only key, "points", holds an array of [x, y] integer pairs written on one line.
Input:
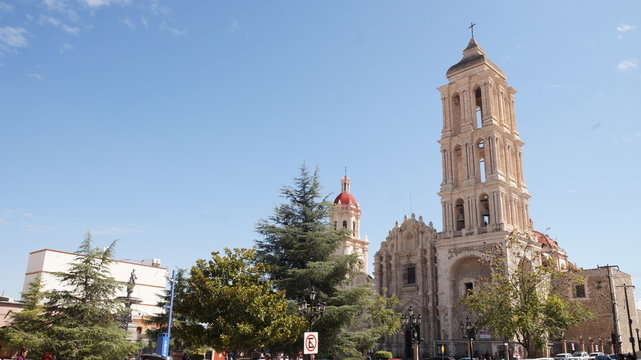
{"points": [[346, 214], [484, 199], [483, 188]]}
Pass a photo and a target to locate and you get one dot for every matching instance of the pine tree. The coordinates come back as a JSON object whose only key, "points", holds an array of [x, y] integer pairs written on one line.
{"points": [[300, 246], [81, 315], [27, 327], [77, 320]]}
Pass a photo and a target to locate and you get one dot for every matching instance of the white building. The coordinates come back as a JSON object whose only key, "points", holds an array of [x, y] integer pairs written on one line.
{"points": [[151, 279]]}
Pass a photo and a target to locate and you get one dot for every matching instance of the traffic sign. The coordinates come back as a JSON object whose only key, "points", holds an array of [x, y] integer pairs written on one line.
{"points": [[310, 342]]}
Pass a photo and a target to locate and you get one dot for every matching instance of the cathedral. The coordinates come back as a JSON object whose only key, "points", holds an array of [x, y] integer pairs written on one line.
{"points": [[484, 204]]}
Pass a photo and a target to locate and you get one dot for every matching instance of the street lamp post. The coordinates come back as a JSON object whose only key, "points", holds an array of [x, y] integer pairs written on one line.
{"points": [[412, 324], [469, 332], [313, 310]]}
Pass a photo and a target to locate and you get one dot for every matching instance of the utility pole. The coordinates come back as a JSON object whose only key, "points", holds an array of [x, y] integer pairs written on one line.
{"points": [[627, 308], [615, 314]]}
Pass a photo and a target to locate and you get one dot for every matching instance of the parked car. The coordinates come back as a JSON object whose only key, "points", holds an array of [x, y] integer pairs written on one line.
{"points": [[593, 355], [579, 355], [562, 356], [602, 357]]}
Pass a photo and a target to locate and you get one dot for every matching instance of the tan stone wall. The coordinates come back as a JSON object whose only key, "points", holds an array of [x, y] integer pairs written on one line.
{"points": [[599, 301]]}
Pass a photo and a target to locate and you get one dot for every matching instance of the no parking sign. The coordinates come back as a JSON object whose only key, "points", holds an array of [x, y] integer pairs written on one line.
{"points": [[310, 343]]}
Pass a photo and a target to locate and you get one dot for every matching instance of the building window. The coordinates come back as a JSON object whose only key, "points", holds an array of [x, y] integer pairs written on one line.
{"points": [[579, 291], [459, 216], [469, 287], [410, 275], [344, 224], [479, 108]]}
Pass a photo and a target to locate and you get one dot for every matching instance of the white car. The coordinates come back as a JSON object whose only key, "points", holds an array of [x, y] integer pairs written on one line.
{"points": [[562, 356], [579, 355], [593, 355]]}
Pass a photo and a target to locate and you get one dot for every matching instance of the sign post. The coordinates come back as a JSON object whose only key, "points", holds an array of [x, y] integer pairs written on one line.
{"points": [[310, 343]]}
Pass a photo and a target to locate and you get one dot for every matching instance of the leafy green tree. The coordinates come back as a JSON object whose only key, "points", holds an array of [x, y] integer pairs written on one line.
{"points": [[300, 246], [523, 304], [232, 306]]}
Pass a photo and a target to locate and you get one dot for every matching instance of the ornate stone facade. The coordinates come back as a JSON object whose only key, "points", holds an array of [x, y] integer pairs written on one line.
{"points": [[484, 202]]}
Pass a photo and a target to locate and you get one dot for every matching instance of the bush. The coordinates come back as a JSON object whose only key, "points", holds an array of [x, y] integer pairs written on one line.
{"points": [[383, 355]]}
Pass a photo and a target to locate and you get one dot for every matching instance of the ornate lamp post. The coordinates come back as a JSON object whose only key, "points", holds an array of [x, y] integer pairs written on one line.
{"points": [[591, 344], [564, 343], [412, 324], [469, 332], [312, 310]]}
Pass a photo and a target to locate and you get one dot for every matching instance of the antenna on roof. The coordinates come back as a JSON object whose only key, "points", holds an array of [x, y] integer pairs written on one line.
{"points": [[471, 27], [345, 171]]}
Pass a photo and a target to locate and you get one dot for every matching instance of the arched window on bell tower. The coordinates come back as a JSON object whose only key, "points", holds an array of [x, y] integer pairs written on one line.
{"points": [[456, 114], [344, 224], [484, 207], [479, 107], [459, 165], [459, 214], [353, 228], [480, 150]]}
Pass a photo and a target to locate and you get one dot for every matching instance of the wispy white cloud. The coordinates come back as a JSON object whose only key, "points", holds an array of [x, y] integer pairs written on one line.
{"points": [[234, 25], [629, 138], [63, 7], [59, 5], [48, 20], [64, 48], [157, 8], [34, 76], [12, 38], [623, 28], [171, 30], [101, 3], [130, 24], [627, 65], [27, 221], [4, 7]]}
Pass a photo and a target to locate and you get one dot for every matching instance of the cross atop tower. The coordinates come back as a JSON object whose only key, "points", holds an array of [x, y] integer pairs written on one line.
{"points": [[471, 27]]}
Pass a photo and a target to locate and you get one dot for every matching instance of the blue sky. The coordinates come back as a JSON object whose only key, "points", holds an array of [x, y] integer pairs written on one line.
{"points": [[171, 125]]}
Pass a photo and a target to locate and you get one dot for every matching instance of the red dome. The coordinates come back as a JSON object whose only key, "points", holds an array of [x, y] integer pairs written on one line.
{"points": [[545, 240], [345, 198]]}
